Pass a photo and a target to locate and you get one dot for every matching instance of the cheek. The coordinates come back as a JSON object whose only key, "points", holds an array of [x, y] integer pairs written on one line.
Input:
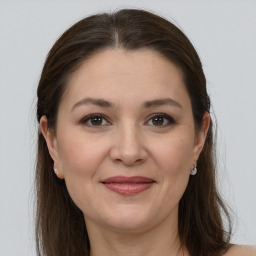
{"points": [[175, 154], [172, 158], [80, 155], [80, 158]]}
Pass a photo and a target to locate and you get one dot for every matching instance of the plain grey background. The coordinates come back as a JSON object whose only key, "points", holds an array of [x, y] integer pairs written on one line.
{"points": [[223, 32]]}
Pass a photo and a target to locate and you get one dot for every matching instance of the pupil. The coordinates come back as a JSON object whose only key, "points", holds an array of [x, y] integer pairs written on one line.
{"points": [[96, 120], [158, 120]]}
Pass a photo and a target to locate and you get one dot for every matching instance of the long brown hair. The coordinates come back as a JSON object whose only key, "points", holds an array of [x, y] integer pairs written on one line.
{"points": [[60, 226]]}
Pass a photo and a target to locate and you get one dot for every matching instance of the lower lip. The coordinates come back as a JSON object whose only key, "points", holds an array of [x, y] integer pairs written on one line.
{"points": [[128, 189]]}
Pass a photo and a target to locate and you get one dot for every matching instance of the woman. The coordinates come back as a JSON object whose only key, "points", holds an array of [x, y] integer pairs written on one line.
{"points": [[125, 149]]}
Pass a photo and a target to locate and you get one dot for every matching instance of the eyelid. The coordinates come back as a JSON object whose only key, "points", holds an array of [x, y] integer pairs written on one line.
{"points": [[166, 116], [85, 119]]}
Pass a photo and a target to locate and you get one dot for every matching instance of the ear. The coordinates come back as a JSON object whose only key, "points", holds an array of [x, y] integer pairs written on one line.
{"points": [[201, 135], [52, 144]]}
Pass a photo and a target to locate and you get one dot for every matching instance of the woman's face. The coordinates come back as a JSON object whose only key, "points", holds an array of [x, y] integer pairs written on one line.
{"points": [[125, 140]]}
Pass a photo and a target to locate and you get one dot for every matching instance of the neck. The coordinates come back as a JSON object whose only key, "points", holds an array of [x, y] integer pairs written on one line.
{"points": [[160, 240]]}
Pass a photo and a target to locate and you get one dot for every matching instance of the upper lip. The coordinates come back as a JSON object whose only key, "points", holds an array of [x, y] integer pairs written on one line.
{"points": [[124, 179]]}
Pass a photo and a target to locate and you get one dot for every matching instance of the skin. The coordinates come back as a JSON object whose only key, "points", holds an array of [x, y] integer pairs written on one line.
{"points": [[239, 250], [127, 142]]}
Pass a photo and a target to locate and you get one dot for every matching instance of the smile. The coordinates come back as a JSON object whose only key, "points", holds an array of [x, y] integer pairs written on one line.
{"points": [[128, 186]]}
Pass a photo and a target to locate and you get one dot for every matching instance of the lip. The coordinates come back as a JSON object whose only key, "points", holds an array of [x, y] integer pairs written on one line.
{"points": [[128, 186]]}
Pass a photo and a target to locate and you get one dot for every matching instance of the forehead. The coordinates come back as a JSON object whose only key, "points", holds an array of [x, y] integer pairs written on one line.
{"points": [[118, 74]]}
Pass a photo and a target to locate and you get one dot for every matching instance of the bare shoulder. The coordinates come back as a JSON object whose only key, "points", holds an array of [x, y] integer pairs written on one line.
{"points": [[241, 250]]}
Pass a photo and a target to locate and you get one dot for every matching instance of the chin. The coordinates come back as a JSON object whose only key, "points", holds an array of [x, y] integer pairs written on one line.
{"points": [[130, 224], [128, 218]]}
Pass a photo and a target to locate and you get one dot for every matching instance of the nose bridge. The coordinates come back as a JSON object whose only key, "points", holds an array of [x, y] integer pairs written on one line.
{"points": [[129, 137], [127, 147]]}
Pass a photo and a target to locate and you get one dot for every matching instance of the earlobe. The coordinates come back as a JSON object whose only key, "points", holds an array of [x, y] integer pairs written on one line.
{"points": [[201, 135], [58, 173]]}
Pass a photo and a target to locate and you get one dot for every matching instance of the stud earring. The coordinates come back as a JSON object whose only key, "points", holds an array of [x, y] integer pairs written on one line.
{"points": [[194, 171], [56, 171]]}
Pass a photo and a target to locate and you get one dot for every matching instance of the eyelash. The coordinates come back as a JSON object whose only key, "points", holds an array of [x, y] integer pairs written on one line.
{"points": [[90, 117], [169, 119]]}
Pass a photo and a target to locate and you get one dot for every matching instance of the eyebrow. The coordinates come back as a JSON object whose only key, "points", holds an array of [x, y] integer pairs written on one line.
{"points": [[93, 101], [161, 102], [107, 104]]}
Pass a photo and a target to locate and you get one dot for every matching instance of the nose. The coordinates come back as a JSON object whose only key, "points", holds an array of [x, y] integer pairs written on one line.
{"points": [[128, 147]]}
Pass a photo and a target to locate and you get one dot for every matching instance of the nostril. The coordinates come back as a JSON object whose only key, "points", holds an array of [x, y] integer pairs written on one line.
{"points": [[128, 153], [127, 162], [139, 161], [118, 160]]}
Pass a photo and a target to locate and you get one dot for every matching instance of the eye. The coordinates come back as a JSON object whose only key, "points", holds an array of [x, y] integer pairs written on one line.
{"points": [[161, 120], [94, 120]]}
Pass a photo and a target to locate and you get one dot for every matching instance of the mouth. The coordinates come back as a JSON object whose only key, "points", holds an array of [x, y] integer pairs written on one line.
{"points": [[128, 186]]}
